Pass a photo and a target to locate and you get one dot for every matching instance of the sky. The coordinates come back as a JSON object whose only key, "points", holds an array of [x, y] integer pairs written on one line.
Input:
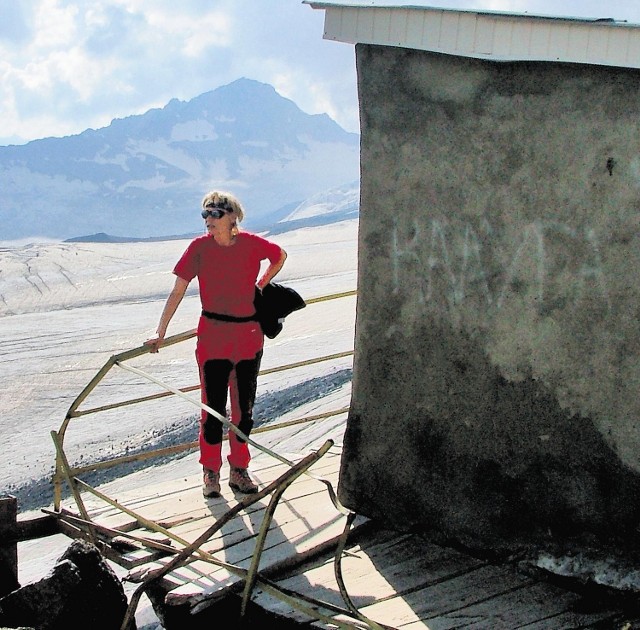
{"points": [[70, 65]]}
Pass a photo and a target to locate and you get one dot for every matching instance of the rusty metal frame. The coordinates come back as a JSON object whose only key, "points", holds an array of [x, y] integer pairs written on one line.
{"points": [[64, 472], [276, 487]]}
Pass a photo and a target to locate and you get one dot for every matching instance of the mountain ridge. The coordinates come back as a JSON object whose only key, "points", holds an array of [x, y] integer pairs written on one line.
{"points": [[144, 175]]}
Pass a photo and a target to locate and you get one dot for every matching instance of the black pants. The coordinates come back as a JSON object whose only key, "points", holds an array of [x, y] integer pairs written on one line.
{"points": [[216, 374]]}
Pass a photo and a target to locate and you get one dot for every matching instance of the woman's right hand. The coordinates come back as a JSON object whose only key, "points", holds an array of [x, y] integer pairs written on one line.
{"points": [[174, 299], [154, 344]]}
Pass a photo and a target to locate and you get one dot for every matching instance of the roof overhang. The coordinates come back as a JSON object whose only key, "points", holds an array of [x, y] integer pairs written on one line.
{"points": [[494, 35]]}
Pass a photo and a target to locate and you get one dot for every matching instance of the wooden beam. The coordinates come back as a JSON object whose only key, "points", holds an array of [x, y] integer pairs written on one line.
{"points": [[8, 545], [39, 527]]}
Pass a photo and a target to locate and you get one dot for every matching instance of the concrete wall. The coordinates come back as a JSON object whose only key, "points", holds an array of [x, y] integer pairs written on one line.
{"points": [[495, 392]]}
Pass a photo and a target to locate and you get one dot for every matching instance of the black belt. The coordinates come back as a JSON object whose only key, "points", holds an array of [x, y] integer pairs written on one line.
{"points": [[229, 318]]}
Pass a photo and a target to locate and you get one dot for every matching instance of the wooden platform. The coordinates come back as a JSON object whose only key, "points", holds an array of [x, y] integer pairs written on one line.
{"points": [[405, 582], [398, 580]]}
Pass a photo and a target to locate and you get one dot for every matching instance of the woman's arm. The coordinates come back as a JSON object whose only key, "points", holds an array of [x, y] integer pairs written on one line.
{"points": [[172, 303], [272, 270]]}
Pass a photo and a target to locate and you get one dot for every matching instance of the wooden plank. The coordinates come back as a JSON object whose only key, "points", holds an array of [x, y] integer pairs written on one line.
{"points": [[191, 505], [504, 610], [164, 496], [397, 579], [242, 527], [138, 557], [249, 524], [383, 565], [313, 436], [184, 501], [371, 577], [292, 507], [151, 492], [291, 511], [289, 538], [538, 605], [445, 598], [293, 541], [569, 619], [34, 528], [9, 545]]}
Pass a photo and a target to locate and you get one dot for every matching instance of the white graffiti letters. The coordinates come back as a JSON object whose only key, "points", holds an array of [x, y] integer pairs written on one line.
{"points": [[546, 264]]}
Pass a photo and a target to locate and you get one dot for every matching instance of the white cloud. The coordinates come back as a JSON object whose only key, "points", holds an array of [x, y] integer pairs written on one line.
{"points": [[189, 34], [67, 65], [54, 24]]}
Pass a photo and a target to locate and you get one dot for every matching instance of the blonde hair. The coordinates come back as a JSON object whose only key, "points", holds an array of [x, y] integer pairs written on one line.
{"points": [[220, 199]]}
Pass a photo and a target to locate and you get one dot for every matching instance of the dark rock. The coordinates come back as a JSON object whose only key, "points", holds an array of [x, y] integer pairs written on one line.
{"points": [[81, 591]]}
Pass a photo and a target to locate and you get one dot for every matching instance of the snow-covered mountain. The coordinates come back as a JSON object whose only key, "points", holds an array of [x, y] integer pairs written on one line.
{"points": [[145, 175], [342, 201], [330, 206]]}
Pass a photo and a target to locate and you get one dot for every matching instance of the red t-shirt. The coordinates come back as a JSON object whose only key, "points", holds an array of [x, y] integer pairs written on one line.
{"points": [[227, 277]]}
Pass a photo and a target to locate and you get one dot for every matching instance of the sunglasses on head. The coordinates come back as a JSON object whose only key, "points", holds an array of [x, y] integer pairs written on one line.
{"points": [[215, 211]]}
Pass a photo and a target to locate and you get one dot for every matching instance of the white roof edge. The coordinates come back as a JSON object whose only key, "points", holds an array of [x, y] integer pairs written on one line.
{"points": [[489, 35], [327, 4]]}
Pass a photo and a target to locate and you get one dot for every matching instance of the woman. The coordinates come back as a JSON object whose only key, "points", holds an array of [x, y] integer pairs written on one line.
{"points": [[230, 340]]}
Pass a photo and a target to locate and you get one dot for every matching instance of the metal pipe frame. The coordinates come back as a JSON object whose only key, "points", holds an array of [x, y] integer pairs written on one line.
{"points": [[65, 472]]}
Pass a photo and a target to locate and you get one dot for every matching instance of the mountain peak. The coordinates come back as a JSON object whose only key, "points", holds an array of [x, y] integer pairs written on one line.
{"points": [[144, 175]]}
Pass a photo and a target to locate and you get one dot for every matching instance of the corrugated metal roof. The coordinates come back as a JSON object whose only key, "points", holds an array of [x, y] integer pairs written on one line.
{"points": [[484, 34]]}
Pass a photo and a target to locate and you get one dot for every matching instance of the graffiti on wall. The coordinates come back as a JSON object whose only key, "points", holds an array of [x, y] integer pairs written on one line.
{"points": [[551, 262]]}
